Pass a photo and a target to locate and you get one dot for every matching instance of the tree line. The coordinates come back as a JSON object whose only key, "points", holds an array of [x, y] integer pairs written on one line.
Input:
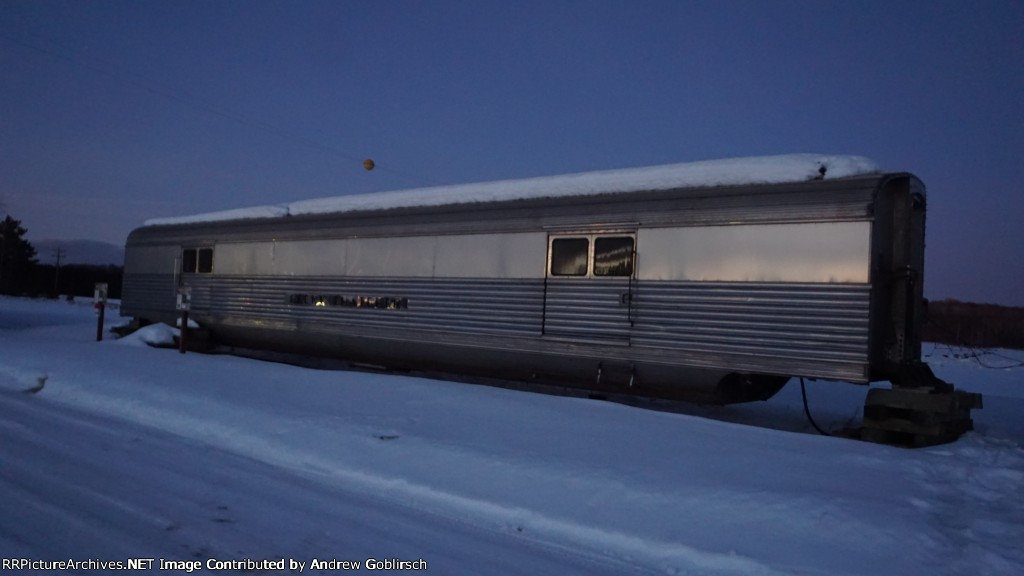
{"points": [[21, 274], [975, 325]]}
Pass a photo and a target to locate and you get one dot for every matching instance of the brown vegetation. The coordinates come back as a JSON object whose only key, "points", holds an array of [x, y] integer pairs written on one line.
{"points": [[975, 325]]}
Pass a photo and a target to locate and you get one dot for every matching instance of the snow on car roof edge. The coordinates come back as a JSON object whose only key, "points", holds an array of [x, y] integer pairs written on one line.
{"points": [[709, 173]]}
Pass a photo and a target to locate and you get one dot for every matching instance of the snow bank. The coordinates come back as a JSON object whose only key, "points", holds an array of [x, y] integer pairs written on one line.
{"points": [[158, 335], [727, 172], [191, 323]]}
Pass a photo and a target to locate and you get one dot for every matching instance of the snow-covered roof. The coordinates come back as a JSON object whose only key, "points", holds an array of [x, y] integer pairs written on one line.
{"points": [[710, 173]]}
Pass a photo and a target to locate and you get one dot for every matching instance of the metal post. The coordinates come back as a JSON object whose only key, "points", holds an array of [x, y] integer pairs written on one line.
{"points": [[184, 304]]}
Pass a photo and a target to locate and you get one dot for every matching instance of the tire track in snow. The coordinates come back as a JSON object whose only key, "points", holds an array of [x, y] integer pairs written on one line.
{"points": [[87, 486], [590, 544]]}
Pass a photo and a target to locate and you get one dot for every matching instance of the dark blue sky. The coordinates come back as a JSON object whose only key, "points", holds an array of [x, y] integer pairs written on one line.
{"points": [[115, 112]]}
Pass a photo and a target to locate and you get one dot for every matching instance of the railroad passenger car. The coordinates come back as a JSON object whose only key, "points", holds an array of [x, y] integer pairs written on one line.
{"points": [[711, 282]]}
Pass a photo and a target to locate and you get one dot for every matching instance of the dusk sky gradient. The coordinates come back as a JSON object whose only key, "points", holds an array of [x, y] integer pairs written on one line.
{"points": [[112, 113]]}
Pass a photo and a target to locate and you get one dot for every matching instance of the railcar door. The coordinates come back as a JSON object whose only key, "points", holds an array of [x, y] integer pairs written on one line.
{"points": [[589, 287]]}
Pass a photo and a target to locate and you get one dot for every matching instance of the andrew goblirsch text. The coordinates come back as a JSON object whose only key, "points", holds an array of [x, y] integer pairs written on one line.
{"points": [[189, 566]]}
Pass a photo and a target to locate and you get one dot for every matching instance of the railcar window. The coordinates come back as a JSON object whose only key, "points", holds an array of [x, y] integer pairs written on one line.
{"points": [[205, 260], [188, 260], [569, 256], [197, 260], [613, 256]]}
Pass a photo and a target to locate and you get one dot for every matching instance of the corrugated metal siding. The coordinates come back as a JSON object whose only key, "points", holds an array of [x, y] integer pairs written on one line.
{"points": [[814, 330], [799, 329], [459, 306], [587, 309], [143, 293]]}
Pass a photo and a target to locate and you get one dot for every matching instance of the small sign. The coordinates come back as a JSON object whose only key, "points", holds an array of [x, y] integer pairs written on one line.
{"points": [[99, 296], [184, 298]]}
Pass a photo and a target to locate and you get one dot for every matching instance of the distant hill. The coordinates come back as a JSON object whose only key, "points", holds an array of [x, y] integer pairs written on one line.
{"points": [[79, 252]]}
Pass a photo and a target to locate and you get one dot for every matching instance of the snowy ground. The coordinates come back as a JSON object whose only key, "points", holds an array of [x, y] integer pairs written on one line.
{"points": [[133, 452]]}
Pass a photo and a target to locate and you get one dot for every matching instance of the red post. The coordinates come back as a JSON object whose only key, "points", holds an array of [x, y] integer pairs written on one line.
{"points": [[99, 299], [182, 345], [101, 308]]}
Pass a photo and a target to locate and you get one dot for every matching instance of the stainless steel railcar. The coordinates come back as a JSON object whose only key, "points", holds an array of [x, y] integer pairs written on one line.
{"points": [[713, 294]]}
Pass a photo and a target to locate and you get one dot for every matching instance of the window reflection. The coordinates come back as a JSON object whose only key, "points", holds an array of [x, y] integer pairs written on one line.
{"points": [[326, 300], [613, 256], [569, 256]]}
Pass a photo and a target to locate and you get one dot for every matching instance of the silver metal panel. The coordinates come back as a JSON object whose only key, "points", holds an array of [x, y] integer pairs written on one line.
{"points": [[388, 257], [495, 256], [286, 258], [151, 259], [246, 258], [519, 255], [308, 258], [829, 252]]}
